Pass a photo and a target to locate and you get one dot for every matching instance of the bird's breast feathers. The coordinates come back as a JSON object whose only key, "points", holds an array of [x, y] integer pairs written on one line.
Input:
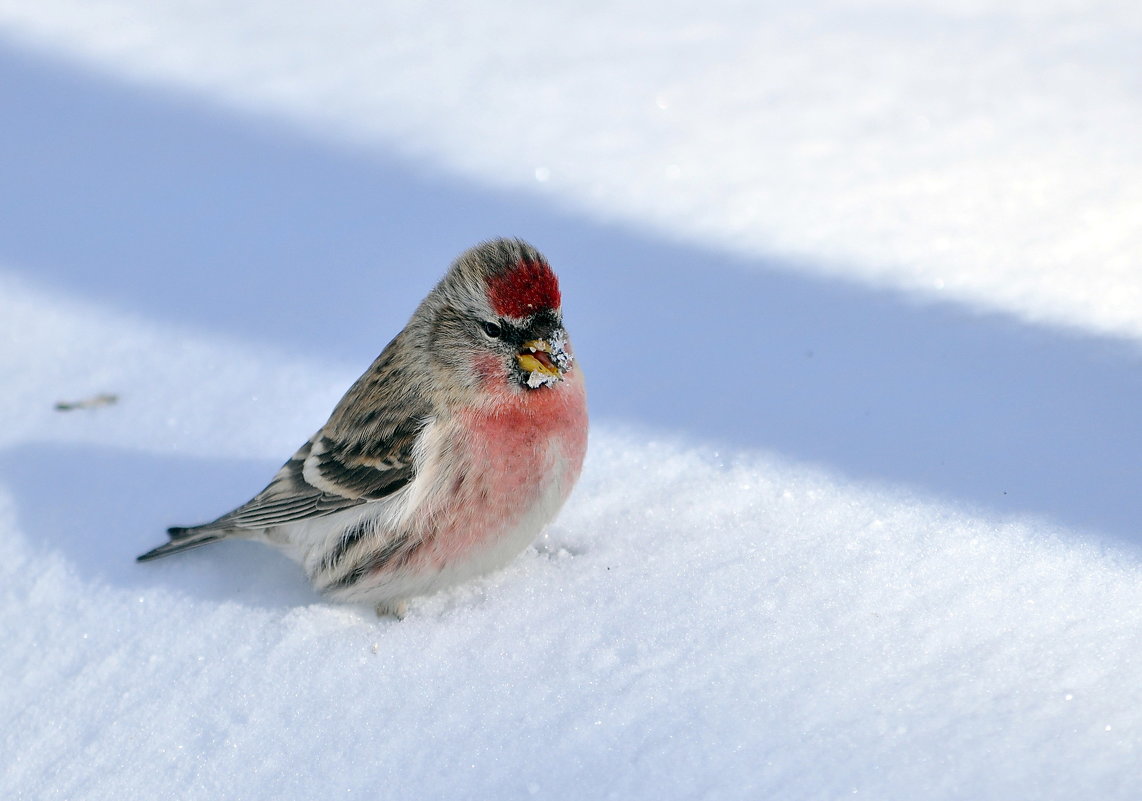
{"points": [[517, 464], [488, 479]]}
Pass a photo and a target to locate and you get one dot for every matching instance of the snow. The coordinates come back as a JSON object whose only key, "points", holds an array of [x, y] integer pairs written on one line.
{"points": [[976, 151], [536, 379], [857, 295]]}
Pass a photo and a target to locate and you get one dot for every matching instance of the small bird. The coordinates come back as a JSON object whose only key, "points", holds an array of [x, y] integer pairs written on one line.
{"points": [[446, 458]]}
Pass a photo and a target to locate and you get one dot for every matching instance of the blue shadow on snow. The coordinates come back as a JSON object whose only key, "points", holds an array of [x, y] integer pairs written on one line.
{"points": [[166, 207]]}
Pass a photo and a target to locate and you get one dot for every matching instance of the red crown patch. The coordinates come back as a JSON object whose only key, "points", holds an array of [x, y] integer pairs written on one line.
{"points": [[528, 287]]}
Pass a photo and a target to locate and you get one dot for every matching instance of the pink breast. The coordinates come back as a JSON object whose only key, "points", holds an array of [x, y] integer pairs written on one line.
{"points": [[517, 453]]}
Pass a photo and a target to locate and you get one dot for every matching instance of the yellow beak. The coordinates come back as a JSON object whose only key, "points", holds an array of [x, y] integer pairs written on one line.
{"points": [[536, 357]]}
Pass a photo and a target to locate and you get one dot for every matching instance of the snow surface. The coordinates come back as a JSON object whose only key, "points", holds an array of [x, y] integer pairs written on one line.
{"points": [[857, 292]]}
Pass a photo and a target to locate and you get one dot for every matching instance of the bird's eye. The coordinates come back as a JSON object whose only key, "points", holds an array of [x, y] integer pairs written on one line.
{"points": [[494, 330]]}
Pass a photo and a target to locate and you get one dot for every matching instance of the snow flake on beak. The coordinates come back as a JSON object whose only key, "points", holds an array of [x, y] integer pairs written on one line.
{"points": [[544, 361]]}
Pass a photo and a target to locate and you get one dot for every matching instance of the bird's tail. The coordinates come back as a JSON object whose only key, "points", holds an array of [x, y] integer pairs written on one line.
{"points": [[183, 539]]}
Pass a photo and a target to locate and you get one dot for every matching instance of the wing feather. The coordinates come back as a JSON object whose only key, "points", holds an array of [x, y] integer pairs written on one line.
{"points": [[365, 452]]}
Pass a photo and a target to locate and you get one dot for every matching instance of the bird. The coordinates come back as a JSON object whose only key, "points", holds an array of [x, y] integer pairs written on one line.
{"points": [[446, 458]]}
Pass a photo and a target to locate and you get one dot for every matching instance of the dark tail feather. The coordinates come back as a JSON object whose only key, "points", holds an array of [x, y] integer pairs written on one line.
{"points": [[183, 539]]}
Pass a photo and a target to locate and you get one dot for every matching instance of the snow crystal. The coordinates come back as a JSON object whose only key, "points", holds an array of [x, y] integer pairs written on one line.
{"points": [[538, 378]]}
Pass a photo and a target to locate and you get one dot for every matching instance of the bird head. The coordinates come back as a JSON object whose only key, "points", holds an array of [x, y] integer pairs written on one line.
{"points": [[497, 321]]}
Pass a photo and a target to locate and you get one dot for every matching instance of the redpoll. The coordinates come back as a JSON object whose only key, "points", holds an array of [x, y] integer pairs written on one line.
{"points": [[446, 458]]}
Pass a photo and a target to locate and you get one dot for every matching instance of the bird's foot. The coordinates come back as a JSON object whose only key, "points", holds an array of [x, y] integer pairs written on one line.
{"points": [[397, 609]]}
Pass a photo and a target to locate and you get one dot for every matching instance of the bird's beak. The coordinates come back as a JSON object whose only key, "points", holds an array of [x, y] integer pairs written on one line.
{"points": [[537, 356]]}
